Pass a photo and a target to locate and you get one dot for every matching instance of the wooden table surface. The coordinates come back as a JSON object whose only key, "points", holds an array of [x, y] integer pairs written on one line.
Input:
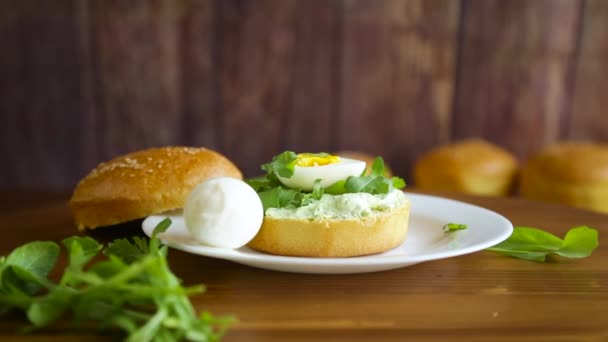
{"points": [[476, 297]]}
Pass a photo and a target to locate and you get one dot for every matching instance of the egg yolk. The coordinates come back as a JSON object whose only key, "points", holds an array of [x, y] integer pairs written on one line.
{"points": [[310, 159]]}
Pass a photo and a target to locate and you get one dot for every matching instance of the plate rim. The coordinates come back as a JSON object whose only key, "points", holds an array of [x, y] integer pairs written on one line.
{"points": [[367, 260]]}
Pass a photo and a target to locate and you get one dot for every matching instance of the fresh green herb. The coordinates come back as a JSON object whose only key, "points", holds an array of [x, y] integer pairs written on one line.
{"points": [[375, 183], [265, 183], [451, 227], [281, 197], [276, 195], [535, 244], [282, 164], [132, 289], [315, 195], [337, 188]]}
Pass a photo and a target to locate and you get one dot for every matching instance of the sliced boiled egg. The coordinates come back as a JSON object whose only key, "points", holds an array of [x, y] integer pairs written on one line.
{"points": [[328, 168]]}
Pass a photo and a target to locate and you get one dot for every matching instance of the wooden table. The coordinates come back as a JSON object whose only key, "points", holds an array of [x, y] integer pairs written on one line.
{"points": [[477, 297]]}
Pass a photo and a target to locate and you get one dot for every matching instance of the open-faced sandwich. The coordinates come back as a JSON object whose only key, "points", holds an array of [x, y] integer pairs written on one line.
{"points": [[315, 205], [321, 205]]}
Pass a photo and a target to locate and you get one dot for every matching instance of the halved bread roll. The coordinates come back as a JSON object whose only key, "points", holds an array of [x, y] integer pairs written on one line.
{"points": [[333, 238], [144, 183]]}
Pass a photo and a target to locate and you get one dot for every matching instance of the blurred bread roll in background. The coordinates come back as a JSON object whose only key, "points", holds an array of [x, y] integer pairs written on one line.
{"points": [[144, 183], [572, 173], [472, 166], [367, 158]]}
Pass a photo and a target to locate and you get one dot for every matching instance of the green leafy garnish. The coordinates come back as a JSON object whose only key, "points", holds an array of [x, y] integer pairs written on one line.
{"points": [[132, 289], [282, 164], [375, 183], [274, 194], [452, 227], [315, 195], [535, 244], [280, 197]]}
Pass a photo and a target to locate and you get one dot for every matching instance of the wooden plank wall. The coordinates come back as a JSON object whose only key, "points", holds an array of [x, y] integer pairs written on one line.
{"points": [[84, 80]]}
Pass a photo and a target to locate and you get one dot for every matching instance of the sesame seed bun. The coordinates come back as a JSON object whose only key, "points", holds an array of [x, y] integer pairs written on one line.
{"points": [[333, 238], [144, 183]]}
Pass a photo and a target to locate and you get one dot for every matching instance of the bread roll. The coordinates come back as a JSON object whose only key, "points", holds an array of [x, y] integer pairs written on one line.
{"points": [[333, 238], [144, 183], [572, 173], [367, 158], [470, 166]]}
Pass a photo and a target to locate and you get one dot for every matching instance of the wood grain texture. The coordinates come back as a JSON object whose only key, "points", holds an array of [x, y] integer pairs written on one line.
{"points": [[397, 77], [475, 297], [134, 77], [197, 41], [589, 117], [39, 87], [257, 53], [516, 71], [310, 121], [83, 81]]}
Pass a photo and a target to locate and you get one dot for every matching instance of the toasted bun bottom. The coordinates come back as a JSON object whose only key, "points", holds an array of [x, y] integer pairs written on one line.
{"points": [[333, 238]]}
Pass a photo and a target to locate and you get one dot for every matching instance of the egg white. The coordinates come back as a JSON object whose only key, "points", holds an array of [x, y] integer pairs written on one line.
{"points": [[304, 177], [223, 212]]}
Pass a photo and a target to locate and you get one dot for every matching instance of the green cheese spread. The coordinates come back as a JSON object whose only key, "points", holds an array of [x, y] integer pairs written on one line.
{"points": [[346, 206]]}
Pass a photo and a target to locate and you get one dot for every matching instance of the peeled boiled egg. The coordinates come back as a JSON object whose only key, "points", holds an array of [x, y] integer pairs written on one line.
{"points": [[329, 169], [223, 212]]}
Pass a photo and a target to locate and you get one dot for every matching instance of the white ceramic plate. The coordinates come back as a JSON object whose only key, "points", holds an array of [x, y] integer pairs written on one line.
{"points": [[425, 240]]}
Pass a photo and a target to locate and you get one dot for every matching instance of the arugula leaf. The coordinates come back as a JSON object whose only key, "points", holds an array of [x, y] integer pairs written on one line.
{"points": [[81, 250], [315, 195], [161, 227], [375, 183], [264, 183], [535, 244], [280, 197], [283, 164], [25, 269], [452, 227], [579, 242], [377, 167], [398, 182], [126, 250], [338, 188], [369, 184], [133, 289], [49, 308], [38, 257]]}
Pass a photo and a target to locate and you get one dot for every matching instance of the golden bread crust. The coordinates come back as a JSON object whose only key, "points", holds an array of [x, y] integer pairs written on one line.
{"points": [[333, 238], [471, 166], [572, 173], [143, 183]]}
